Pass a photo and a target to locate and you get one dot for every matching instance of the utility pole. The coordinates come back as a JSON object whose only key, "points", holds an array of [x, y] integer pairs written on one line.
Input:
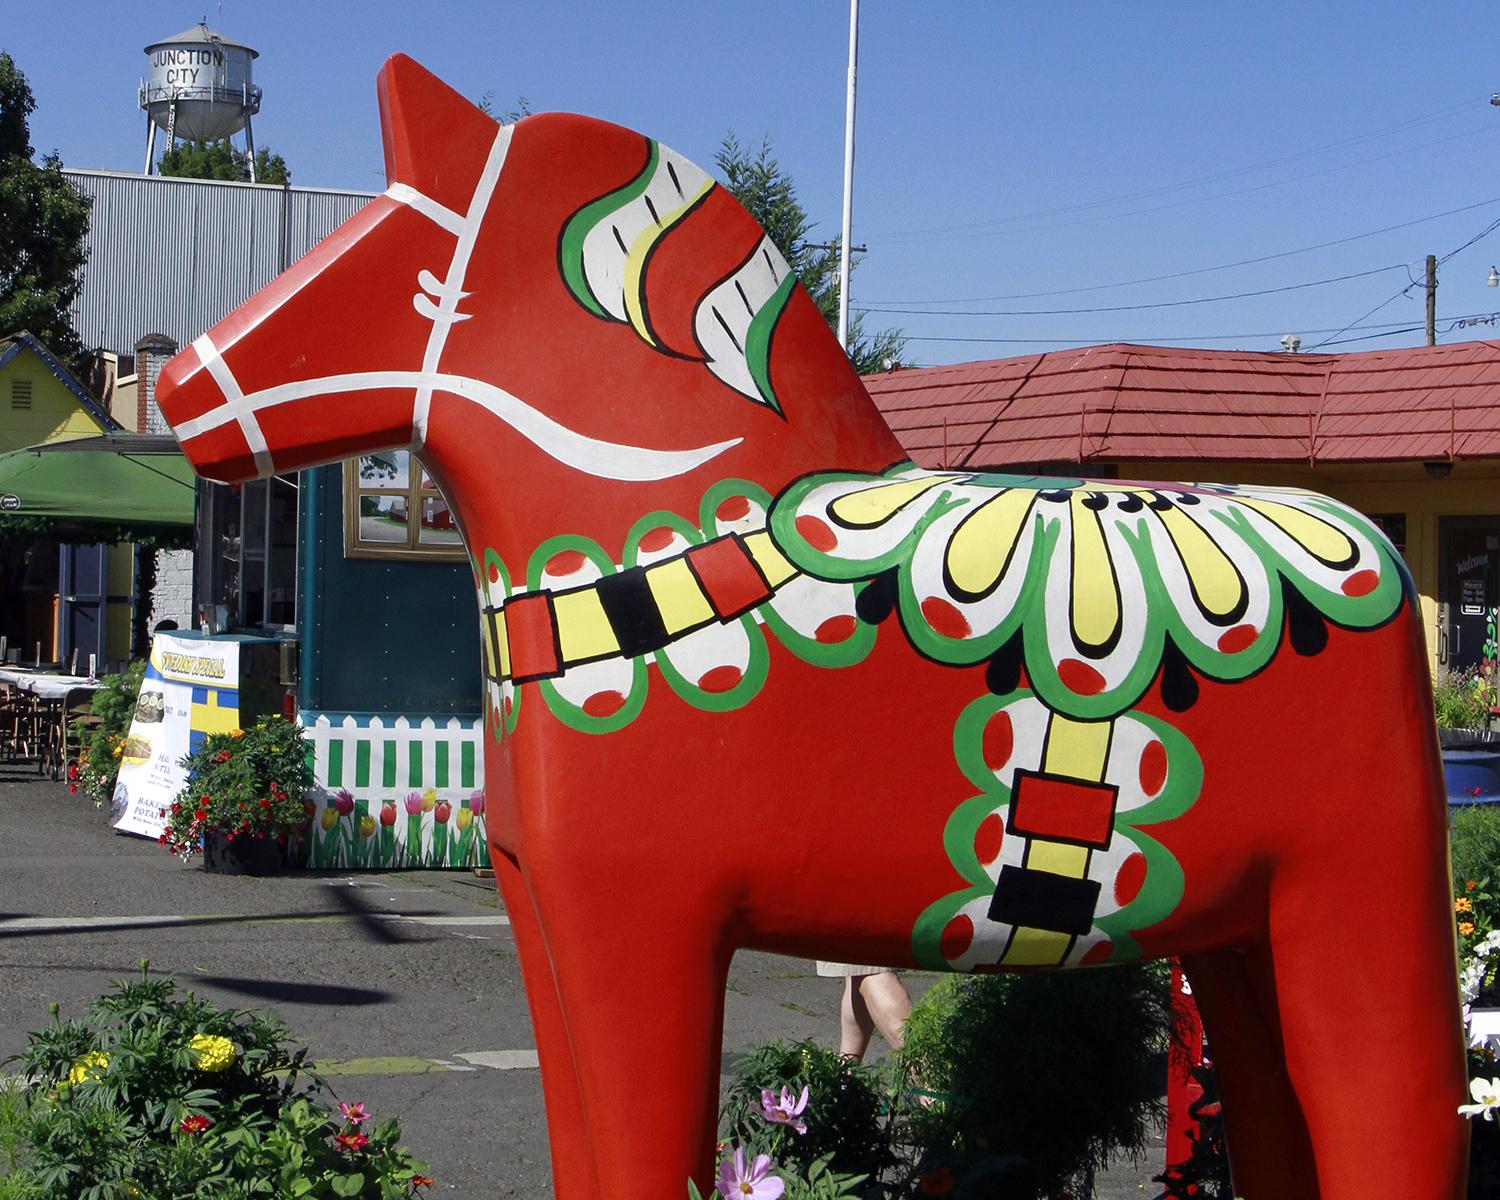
{"points": [[1432, 299]]}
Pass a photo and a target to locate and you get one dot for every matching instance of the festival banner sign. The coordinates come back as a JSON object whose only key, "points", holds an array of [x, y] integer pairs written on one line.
{"points": [[191, 689]]}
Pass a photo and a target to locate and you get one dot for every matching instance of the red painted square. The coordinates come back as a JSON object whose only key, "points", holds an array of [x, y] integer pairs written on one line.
{"points": [[729, 576], [1062, 810], [532, 632]]}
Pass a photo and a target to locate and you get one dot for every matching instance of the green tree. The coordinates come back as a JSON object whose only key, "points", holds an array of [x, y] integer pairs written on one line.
{"points": [[43, 221], [769, 195], [221, 160]]}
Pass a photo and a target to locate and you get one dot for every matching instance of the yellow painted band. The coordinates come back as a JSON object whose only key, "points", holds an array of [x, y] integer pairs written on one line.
{"points": [[583, 628], [678, 596], [772, 563], [1213, 577], [1079, 749], [1096, 598], [982, 543]]}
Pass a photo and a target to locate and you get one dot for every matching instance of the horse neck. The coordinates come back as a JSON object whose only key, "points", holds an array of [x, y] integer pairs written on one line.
{"points": [[511, 497]]}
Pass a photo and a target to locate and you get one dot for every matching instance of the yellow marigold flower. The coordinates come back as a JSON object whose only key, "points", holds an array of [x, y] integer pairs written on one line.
{"points": [[212, 1053], [236, 733], [1466, 928], [366, 825], [90, 1066], [465, 818], [1463, 904], [429, 800]]}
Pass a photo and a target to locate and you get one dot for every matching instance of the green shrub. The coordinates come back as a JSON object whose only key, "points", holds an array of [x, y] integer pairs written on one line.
{"points": [[845, 1119], [1462, 699], [1040, 1078], [244, 783], [162, 1095], [101, 748]]}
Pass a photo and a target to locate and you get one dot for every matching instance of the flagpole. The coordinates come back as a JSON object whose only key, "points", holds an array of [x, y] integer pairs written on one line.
{"points": [[848, 178]]}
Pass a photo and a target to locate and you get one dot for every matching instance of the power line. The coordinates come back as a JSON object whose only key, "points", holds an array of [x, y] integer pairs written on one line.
{"points": [[1061, 312], [983, 230], [1394, 328], [1242, 262], [1164, 189]]}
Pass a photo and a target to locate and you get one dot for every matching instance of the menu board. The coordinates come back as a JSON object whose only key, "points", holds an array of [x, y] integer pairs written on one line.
{"points": [[191, 689]]}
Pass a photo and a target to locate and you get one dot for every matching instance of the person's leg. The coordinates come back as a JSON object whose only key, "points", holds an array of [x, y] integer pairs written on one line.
{"points": [[886, 1004], [855, 1022]]}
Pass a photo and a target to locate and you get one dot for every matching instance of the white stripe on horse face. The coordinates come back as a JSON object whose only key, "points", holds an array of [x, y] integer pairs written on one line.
{"points": [[593, 456], [234, 399]]}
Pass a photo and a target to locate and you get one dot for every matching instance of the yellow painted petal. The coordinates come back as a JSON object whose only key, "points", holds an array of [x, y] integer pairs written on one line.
{"points": [[982, 544], [875, 505], [1096, 596], [1214, 580], [1317, 536]]}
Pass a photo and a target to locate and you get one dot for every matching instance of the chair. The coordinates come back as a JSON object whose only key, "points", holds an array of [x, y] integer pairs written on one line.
{"points": [[76, 719]]}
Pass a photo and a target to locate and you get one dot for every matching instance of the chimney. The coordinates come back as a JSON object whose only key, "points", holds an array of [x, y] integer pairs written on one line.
{"points": [[151, 355]]}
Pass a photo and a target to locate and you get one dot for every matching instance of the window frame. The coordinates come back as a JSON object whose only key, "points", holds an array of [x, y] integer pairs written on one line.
{"points": [[414, 550]]}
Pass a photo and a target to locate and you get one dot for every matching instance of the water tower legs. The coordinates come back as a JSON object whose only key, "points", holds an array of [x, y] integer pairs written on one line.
{"points": [[150, 144], [250, 149]]}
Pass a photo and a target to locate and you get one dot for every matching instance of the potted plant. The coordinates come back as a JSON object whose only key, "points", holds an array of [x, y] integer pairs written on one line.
{"points": [[246, 791], [1463, 701], [101, 747]]}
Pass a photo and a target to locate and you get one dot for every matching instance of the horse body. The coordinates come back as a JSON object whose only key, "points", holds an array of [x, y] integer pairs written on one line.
{"points": [[753, 680]]}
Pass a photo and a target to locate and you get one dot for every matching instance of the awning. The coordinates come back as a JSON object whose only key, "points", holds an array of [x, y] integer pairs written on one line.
{"points": [[115, 481]]}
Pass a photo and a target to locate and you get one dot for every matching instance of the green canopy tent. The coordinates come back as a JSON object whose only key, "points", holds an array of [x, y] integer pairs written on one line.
{"points": [[116, 487]]}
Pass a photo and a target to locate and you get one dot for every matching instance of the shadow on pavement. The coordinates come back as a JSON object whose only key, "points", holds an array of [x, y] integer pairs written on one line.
{"points": [[297, 993]]}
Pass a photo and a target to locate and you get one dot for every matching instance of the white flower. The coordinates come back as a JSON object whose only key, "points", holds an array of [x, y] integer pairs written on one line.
{"points": [[1486, 1093]]}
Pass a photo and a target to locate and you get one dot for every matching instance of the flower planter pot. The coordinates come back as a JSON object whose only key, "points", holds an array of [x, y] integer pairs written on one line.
{"points": [[243, 856]]}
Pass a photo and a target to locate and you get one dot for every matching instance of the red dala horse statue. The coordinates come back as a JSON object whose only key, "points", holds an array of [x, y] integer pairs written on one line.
{"points": [[754, 679]]}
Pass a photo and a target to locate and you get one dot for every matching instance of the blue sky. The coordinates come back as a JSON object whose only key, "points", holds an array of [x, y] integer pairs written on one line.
{"points": [[1010, 157]]}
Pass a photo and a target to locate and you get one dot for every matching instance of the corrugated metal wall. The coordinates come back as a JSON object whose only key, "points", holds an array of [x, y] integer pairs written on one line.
{"points": [[174, 256]]}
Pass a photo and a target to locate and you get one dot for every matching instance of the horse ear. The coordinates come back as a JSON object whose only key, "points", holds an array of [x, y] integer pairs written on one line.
{"points": [[436, 141]]}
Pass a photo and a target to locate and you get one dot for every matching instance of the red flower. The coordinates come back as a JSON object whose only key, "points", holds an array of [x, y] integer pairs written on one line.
{"points": [[201, 815], [309, 807], [73, 789], [422, 1181], [442, 812], [388, 813], [264, 802], [162, 839], [196, 1123], [352, 1142]]}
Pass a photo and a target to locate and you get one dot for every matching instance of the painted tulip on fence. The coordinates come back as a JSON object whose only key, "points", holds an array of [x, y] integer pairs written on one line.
{"points": [[463, 845], [388, 833], [413, 805], [441, 811]]}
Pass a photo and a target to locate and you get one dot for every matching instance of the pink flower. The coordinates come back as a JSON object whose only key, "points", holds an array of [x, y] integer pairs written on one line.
{"points": [[783, 1110], [354, 1113], [476, 802], [413, 803], [343, 801], [737, 1181]]}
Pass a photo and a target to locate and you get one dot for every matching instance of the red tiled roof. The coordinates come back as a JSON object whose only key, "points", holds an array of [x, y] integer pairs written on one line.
{"points": [[1123, 402]]}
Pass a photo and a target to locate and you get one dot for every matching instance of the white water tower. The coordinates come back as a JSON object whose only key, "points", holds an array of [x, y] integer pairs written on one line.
{"points": [[199, 88]]}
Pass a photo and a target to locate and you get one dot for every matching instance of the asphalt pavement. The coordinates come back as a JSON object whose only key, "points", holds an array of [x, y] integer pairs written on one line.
{"points": [[405, 986]]}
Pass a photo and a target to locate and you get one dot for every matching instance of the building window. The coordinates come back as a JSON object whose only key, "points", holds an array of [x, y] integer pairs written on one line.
{"points": [[393, 509], [248, 580], [1393, 525], [20, 395]]}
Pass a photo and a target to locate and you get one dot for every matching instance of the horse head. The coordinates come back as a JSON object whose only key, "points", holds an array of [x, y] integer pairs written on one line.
{"points": [[561, 301]]}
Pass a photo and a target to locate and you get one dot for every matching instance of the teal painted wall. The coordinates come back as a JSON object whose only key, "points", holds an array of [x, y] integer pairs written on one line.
{"points": [[378, 636]]}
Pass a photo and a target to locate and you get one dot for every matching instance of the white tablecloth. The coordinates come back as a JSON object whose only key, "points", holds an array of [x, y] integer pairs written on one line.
{"points": [[47, 686]]}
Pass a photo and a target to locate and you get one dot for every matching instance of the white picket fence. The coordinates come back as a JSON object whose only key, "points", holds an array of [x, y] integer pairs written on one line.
{"points": [[383, 758]]}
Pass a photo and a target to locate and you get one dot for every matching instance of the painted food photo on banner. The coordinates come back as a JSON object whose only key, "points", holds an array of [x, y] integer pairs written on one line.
{"points": [[190, 690]]}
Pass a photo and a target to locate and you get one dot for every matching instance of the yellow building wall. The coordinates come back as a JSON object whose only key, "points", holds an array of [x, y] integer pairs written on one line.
{"points": [[55, 413], [1471, 489]]}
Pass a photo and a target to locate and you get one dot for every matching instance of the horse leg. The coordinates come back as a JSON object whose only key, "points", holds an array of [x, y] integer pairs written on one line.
{"points": [[643, 1000], [572, 1158], [1269, 1151], [1365, 987]]}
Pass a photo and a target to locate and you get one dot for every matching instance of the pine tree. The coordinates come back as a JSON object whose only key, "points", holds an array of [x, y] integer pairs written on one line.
{"points": [[43, 221], [757, 181], [221, 160]]}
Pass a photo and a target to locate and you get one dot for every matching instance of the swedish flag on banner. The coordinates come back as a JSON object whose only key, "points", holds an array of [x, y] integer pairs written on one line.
{"points": [[213, 710]]}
